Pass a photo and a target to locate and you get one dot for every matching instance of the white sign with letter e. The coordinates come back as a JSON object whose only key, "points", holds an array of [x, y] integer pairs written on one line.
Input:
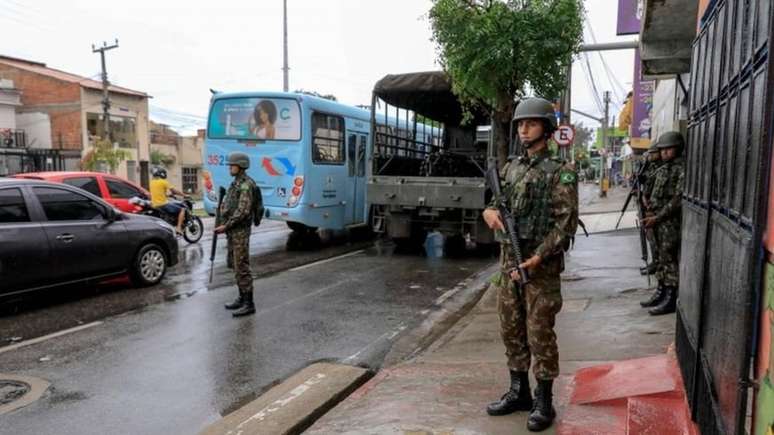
{"points": [[564, 135]]}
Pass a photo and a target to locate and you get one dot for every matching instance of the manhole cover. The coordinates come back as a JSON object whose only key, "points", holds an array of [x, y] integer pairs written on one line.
{"points": [[12, 390]]}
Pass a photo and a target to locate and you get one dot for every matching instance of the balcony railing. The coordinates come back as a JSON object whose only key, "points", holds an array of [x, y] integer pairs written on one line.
{"points": [[12, 138]]}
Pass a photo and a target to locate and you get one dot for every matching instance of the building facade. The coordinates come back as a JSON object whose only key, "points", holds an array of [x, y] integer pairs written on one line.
{"points": [[180, 155], [60, 115]]}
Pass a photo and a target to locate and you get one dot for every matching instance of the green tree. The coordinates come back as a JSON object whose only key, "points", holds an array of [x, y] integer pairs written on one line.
{"points": [[103, 153], [158, 158], [494, 50]]}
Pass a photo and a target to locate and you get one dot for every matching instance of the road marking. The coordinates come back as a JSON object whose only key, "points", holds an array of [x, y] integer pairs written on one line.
{"points": [[389, 335], [48, 337], [441, 299], [328, 260], [280, 403]]}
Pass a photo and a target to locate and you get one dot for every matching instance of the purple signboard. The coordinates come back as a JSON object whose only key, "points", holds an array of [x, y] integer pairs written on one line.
{"points": [[643, 105], [629, 16]]}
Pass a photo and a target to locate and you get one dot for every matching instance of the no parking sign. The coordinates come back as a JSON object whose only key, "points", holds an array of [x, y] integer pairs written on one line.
{"points": [[564, 135]]}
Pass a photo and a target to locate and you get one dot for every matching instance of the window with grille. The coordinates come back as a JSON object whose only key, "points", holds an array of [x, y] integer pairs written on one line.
{"points": [[328, 139], [190, 180]]}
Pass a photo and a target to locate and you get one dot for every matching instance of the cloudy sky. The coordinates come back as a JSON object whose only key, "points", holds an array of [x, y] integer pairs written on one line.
{"points": [[177, 50]]}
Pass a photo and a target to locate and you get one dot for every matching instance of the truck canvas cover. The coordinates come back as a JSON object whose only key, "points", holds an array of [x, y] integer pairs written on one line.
{"points": [[428, 94]]}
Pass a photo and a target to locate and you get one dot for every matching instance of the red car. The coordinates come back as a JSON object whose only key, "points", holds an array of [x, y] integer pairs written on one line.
{"points": [[114, 190]]}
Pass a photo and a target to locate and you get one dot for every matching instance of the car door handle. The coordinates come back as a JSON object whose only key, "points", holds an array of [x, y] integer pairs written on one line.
{"points": [[66, 238]]}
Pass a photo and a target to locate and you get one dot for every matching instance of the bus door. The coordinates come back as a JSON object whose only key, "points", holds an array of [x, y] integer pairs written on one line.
{"points": [[356, 152]]}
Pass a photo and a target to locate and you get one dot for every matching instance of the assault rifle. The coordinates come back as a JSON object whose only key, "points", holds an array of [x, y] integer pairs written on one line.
{"points": [[221, 194], [511, 231], [637, 191]]}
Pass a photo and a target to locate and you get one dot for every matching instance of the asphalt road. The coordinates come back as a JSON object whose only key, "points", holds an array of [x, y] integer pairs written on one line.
{"points": [[170, 359]]}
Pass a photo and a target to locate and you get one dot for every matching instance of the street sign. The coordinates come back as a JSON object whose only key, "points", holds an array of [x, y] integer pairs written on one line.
{"points": [[564, 135]]}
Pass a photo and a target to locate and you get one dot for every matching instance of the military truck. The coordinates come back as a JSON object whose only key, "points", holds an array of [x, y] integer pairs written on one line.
{"points": [[427, 162]]}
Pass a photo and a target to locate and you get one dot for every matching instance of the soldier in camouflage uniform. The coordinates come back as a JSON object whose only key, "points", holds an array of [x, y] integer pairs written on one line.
{"points": [[666, 218], [542, 192], [646, 184], [236, 221]]}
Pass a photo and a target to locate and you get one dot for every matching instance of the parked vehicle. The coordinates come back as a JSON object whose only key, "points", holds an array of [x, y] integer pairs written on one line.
{"points": [[193, 228], [418, 183], [114, 190], [53, 234], [308, 155]]}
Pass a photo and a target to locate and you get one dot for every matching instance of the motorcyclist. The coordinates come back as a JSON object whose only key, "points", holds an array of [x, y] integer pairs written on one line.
{"points": [[159, 189]]}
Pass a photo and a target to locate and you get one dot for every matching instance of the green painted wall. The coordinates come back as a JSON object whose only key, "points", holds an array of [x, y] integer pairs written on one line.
{"points": [[764, 415]]}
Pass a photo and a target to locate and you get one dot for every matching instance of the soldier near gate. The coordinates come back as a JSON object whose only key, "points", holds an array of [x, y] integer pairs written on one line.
{"points": [[646, 184], [542, 193], [665, 217], [236, 220]]}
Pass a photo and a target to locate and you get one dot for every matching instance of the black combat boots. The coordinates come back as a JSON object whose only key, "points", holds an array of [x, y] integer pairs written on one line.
{"points": [[668, 304], [517, 398], [238, 302], [543, 412], [656, 298], [247, 307]]}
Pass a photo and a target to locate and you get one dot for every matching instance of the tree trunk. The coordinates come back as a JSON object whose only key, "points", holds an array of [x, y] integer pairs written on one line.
{"points": [[501, 121]]}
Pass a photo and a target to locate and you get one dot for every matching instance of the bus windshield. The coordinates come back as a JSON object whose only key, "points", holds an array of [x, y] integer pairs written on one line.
{"points": [[277, 119]]}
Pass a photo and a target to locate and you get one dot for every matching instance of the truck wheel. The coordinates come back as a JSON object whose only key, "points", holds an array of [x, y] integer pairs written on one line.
{"points": [[454, 246]]}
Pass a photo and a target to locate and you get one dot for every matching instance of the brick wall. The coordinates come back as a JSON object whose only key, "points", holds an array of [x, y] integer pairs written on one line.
{"points": [[38, 89], [59, 99], [66, 129]]}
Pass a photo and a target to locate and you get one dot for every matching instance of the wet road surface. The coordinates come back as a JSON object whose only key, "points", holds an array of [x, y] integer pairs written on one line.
{"points": [[273, 247], [173, 363]]}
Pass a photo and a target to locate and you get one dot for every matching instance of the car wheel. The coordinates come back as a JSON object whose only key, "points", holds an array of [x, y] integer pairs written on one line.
{"points": [[194, 230], [150, 265]]}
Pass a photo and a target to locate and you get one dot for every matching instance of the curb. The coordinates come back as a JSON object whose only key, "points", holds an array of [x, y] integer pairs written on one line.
{"points": [[295, 404]]}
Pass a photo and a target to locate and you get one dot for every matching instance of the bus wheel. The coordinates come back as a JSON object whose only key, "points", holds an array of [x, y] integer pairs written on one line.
{"points": [[300, 228]]}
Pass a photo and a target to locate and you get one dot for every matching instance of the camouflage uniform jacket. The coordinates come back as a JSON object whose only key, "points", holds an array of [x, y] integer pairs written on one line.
{"points": [[543, 196], [667, 194], [650, 178], [236, 210]]}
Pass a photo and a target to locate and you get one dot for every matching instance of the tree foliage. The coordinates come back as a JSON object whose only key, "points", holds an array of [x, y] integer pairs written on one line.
{"points": [[158, 158], [495, 50], [103, 153]]}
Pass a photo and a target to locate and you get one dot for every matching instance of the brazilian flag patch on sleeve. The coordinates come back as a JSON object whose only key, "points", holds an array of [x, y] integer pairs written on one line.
{"points": [[567, 177]]}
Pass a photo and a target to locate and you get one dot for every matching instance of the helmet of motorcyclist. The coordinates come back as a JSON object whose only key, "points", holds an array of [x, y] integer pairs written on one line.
{"points": [[160, 173]]}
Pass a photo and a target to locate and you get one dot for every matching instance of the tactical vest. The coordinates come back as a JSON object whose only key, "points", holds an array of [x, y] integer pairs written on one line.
{"points": [[529, 189]]}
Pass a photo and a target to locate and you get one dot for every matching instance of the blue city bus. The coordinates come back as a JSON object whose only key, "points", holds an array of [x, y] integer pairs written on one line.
{"points": [[308, 155]]}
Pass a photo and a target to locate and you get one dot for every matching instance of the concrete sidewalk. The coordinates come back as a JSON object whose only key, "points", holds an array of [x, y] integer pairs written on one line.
{"points": [[446, 389]]}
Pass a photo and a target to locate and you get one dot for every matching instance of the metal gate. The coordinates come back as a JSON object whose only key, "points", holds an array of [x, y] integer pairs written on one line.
{"points": [[726, 177]]}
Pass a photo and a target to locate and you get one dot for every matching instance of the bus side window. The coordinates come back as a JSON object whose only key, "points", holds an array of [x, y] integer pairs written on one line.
{"points": [[327, 139], [351, 149], [361, 156]]}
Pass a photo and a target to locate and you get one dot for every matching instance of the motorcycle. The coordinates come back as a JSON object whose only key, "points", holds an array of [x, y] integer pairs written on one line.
{"points": [[193, 228]]}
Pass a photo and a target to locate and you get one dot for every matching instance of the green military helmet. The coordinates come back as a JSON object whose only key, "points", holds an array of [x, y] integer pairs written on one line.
{"points": [[670, 139], [653, 148], [239, 159], [536, 108]]}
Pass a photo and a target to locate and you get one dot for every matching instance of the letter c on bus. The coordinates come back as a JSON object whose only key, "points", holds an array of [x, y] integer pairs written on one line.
{"points": [[285, 114]]}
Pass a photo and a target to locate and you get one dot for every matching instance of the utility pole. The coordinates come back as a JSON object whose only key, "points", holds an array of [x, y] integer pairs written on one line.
{"points": [[605, 182], [285, 69], [105, 84]]}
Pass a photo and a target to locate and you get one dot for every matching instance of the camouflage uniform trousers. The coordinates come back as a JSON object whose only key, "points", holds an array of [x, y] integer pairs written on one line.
{"points": [[239, 258], [650, 236], [668, 238], [527, 319]]}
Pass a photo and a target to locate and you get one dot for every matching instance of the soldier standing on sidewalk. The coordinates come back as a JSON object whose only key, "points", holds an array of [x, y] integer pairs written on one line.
{"points": [[543, 196], [236, 221], [666, 219], [649, 179]]}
